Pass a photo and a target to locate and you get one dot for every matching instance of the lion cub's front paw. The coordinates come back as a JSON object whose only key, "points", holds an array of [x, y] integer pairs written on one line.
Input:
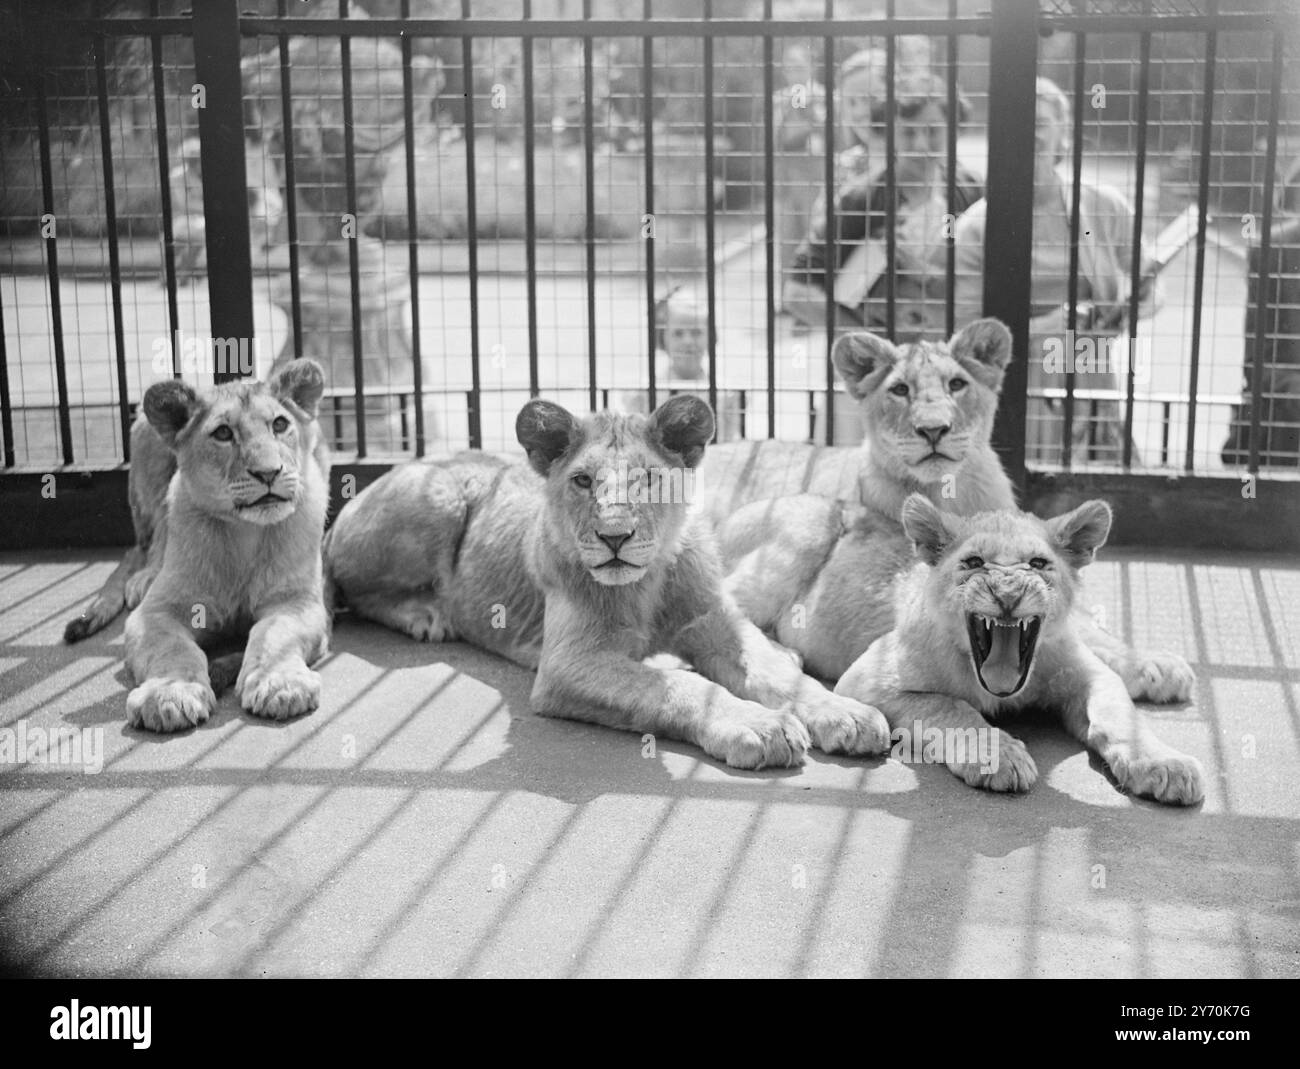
{"points": [[841, 725], [162, 704], [280, 692], [1174, 779], [1159, 678], [1010, 768], [749, 735]]}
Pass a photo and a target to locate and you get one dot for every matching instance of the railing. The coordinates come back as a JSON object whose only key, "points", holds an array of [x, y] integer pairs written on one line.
{"points": [[397, 393]]}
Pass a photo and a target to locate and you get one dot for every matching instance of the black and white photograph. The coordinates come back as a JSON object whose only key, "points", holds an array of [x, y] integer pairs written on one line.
{"points": [[651, 489]]}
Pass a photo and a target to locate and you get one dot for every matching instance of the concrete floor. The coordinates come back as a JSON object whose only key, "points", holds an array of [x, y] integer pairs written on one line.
{"points": [[423, 822]]}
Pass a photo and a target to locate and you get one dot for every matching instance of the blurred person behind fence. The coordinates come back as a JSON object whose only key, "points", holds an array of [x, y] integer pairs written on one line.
{"points": [[854, 265], [1098, 351]]}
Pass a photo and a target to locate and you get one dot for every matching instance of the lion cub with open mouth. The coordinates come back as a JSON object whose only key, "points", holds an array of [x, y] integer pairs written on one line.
{"points": [[581, 563], [984, 627]]}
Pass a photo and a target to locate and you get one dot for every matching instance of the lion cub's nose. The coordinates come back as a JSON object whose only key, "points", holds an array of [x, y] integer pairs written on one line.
{"points": [[614, 541], [265, 475], [933, 434]]}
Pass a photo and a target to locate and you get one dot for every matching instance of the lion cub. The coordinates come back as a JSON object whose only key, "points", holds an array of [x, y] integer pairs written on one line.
{"points": [[240, 552], [581, 563], [984, 627]]}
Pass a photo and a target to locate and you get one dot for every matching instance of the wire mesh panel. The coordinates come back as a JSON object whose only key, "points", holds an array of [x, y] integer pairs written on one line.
{"points": [[457, 204]]}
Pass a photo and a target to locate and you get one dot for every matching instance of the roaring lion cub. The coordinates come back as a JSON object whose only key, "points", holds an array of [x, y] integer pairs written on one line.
{"points": [[230, 549], [984, 627], [581, 563], [817, 568]]}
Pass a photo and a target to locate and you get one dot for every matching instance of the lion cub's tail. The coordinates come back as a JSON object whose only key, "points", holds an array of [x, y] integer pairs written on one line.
{"points": [[110, 600]]}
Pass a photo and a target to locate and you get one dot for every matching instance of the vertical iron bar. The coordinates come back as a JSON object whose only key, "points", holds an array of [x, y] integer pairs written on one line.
{"points": [[6, 405], [1008, 238], [711, 267], [1135, 269], [769, 220], [950, 260], [891, 183], [1265, 253], [589, 165], [1072, 295], [471, 217], [114, 262], [290, 189], [225, 182], [1202, 205], [354, 251], [412, 234], [832, 246], [647, 93], [530, 205], [52, 265], [165, 192]]}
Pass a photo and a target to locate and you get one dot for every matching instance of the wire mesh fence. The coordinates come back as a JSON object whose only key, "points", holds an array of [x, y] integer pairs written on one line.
{"points": [[457, 205]]}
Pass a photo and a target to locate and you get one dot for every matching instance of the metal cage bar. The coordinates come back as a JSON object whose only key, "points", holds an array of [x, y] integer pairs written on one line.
{"points": [[474, 410], [354, 252], [828, 63], [412, 239], [530, 207], [1202, 219], [589, 202], [648, 235], [710, 235], [1076, 195], [290, 191], [52, 273], [769, 224], [114, 257], [1135, 268], [164, 183]]}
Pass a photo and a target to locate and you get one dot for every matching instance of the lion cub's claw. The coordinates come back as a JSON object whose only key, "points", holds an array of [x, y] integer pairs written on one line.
{"points": [[280, 693], [167, 705], [839, 725], [1013, 770], [755, 737], [1175, 780]]}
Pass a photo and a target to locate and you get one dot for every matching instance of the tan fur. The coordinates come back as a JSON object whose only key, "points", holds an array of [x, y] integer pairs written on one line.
{"points": [[1009, 566], [572, 565], [152, 467], [816, 568], [231, 569]]}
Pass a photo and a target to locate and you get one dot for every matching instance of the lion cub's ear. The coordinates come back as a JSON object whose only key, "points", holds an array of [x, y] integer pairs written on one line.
{"points": [[859, 356], [545, 430], [683, 425], [987, 344], [168, 406], [926, 526], [1079, 534], [302, 382]]}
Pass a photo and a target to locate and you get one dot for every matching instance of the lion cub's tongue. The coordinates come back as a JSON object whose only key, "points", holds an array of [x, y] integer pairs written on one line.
{"points": [[1001, 668]]}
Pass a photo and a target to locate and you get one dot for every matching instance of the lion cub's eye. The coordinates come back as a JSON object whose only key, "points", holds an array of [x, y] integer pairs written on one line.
{"points": [[1039, 563], [280, 424], [973, 562], [224, 434], [957, 385], [899, 389], [582, 480]]}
